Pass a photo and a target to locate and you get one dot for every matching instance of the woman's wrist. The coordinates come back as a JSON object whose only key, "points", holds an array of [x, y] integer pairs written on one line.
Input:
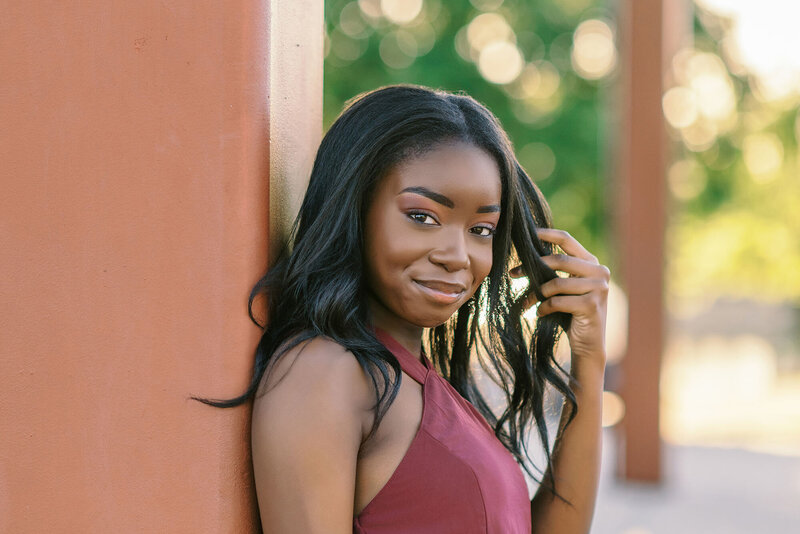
{"points": [[587, 374]]}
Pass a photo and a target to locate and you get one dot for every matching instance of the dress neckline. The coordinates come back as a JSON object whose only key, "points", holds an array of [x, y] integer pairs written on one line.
{"points": [[416, 367]]}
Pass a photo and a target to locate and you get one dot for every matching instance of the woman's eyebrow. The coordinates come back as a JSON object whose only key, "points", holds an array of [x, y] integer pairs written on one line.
{"points": [[445, 201], [433, 195], [492, 208]]}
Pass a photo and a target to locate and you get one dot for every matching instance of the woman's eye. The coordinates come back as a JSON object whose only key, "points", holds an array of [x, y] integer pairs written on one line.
{"points": [[483, 231], [423, 218]]}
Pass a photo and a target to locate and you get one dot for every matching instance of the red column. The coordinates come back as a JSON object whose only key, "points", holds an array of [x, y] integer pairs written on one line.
{"points": [[640, 208], [136, 166]]}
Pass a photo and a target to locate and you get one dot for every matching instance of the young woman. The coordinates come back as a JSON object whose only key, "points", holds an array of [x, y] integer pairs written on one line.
{"points": [[416, 216]]}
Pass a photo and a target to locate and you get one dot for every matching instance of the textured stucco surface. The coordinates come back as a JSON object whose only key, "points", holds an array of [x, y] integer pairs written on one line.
{"points": [[134, 220]]}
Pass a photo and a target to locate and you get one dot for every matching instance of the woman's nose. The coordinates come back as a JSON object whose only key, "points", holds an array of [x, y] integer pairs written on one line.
{"points": [[451, 251]]}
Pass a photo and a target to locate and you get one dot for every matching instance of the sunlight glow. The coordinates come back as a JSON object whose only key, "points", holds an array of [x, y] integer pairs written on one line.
{"points": [[763, 155], [500, 62], [371, 8], [708, 79], [488, 28], [613, 408], [699, 136], [703, 104], [398, 49], [728, 390], [490, 42], [680, 107], [594, 55], [401, 11], [616, 324], [351, 22], [765, 41], [527, 83], [536, 93], [462, 45], [686, 179], [344, 47]]}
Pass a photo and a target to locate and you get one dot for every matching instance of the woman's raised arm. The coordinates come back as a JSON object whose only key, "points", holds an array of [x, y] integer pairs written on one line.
{"points": [[306, 433], [577, 451]]}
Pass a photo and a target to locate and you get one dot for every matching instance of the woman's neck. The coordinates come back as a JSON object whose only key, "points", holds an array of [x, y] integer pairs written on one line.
{"points": [[405, 333]]}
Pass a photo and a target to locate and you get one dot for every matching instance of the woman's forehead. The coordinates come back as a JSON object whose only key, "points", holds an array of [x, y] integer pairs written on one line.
{"points": [[453, 167]]}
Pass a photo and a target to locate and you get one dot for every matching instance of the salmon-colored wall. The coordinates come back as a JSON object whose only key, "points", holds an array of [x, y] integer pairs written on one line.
{"points": [[135, 167]]}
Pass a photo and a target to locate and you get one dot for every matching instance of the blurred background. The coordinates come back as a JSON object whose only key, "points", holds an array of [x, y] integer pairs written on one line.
{"points": [[729, 376]]}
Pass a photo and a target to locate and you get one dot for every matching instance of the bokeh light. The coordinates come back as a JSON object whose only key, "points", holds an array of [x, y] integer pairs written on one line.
{"points": [[371, 8], [594, 54], [703, 104], [550, 80], [763, 40], [425, 36], [461, 43], [680, 107], [352, 23], [486, 5], [536, 93], [763, 155], [571, 204], [500, 62], [490, 42], [345, 47], [613, 408], [538, 160], [527, 83], [617, 324], [686, 179], [488, 28], [699, 136], [398, 49], [401, 11], [708, 78]]}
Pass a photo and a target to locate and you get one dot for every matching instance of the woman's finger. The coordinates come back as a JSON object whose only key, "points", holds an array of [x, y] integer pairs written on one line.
{"points": [[568, 286], [572, 286], [568, 244], [577, 266], [572, 304]]}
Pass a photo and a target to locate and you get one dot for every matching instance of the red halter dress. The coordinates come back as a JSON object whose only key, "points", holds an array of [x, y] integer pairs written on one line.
{"points": [[456, 477]]}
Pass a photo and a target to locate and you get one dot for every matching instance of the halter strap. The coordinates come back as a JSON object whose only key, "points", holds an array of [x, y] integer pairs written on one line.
{"points": [[410, 364]]}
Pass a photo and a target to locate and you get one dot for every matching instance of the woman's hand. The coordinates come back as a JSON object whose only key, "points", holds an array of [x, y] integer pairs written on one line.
{"points": [[584, 295], [577, 452]]}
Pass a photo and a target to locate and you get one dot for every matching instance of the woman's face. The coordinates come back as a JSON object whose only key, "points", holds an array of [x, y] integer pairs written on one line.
{"points": [[429, 234]]}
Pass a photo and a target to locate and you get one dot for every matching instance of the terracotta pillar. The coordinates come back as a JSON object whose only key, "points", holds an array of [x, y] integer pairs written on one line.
{"points": [[640, 208], [137, 147]]}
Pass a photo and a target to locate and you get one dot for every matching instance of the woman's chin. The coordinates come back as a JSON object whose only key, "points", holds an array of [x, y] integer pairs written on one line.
{"points": [[433, 320]]}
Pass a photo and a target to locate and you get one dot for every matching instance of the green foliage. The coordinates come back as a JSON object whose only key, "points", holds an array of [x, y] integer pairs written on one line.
{"points": [[572, 131], [739, 235], [731, 230]]}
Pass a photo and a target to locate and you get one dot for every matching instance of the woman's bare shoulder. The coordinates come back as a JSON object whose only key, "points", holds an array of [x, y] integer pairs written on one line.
{"points": [[307, 428], [318, 367]]}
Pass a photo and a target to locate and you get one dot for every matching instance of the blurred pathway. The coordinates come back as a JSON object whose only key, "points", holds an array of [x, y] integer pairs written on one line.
{"points": [[705, 491]]}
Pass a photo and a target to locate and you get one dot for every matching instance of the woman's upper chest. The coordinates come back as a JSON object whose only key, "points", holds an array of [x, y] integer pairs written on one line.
{"points": [[450, 475]]}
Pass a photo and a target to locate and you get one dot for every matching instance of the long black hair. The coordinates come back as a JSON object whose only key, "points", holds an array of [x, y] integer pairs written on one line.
{"points": [[317, 286]]}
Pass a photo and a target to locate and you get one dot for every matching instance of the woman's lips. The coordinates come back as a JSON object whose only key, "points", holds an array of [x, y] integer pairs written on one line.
{"points": [[441, 292]]}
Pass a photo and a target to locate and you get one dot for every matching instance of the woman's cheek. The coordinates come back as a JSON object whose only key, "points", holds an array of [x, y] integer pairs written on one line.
{"points": [[485, 267]]}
